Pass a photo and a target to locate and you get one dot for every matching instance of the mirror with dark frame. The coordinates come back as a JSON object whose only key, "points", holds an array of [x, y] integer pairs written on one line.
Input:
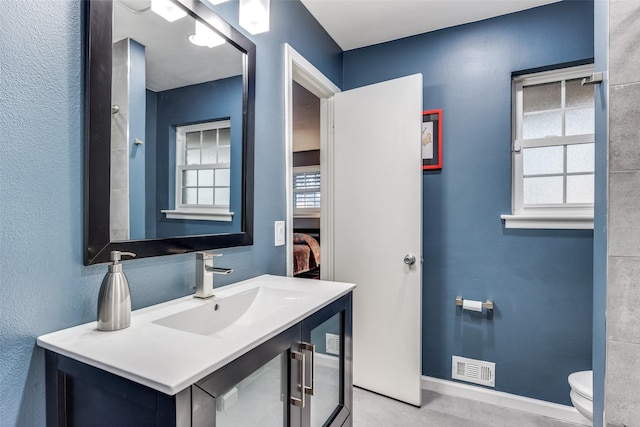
{"points": [[170, 108]]}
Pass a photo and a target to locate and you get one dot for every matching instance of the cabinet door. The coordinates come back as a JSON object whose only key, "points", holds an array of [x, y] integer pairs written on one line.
{"points": [[253, 390], [326, 343], [259, 399]]}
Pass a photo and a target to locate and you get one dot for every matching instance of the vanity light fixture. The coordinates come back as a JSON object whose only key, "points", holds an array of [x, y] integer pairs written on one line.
{"points": [[205, 36], [167, 9], [254, 15]]}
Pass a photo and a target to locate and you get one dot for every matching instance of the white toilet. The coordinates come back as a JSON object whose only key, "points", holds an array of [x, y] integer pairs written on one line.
{"points": [[582, 392]]}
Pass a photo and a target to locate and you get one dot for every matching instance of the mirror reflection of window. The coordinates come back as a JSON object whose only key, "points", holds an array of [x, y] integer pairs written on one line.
{"points": [[203, 172], [183, 72], [203, 168], [173, 63]]}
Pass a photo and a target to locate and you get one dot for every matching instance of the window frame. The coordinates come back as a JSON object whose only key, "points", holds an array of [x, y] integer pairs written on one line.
{"points": [[549, 216], [198, 212], [306, 212]]}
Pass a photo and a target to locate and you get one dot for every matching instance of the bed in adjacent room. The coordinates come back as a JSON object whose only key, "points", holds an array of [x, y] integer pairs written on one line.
{"points": [[306, 255]]}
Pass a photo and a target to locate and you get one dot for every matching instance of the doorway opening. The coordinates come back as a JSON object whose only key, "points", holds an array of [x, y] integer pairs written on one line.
{"points": [[308, 148], [306, 183]]}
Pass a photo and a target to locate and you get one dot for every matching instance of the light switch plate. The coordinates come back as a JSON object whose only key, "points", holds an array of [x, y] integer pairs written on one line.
{"points": [[279, 233]]}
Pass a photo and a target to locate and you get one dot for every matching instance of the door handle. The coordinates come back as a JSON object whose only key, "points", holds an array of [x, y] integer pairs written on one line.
{"points": [[299, 356], [312, 348], [409, 259]]}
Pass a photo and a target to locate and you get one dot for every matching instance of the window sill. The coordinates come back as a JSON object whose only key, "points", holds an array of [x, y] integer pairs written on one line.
{"points": [[573, 222], [225, 216]]}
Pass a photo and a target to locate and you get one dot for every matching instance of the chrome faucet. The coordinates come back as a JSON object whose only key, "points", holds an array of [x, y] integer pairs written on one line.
{"points": [[204, 274]]}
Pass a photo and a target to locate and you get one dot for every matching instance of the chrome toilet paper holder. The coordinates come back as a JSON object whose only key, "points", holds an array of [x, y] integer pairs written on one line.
{"points": [[488, 304]]}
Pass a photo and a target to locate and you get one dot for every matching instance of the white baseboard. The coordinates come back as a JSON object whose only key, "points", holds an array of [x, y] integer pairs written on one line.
{"points": [[506, 400]]}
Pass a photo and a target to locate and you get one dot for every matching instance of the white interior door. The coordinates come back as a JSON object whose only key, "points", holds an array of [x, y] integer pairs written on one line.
{"points": [[377, 222]]}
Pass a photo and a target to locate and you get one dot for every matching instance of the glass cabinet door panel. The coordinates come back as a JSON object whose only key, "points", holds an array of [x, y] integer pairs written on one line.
{"points": [[326, 376], [258, 400]]}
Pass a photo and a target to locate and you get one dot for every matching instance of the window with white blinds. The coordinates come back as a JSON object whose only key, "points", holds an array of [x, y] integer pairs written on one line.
{"points": [[553, 150], [306, 191]]}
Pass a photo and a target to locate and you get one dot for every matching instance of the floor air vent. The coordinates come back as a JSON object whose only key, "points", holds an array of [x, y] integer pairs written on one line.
{"points": [[473, 371]]}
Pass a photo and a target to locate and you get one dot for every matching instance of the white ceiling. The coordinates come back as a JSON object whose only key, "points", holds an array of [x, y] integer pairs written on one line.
{"points": [[171, 60], [174, 62], [358, 23]]}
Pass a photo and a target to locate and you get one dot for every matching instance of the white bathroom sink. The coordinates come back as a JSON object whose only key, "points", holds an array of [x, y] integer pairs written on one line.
{"points": [[223, 316], [172, 345]]}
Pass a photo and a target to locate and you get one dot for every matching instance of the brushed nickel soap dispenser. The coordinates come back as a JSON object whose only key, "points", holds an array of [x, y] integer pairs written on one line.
{"points": [[114, 299]]}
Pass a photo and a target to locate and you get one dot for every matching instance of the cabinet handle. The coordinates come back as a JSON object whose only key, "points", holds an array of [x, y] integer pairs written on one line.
{"points": [[312, 348], [299, 356]]}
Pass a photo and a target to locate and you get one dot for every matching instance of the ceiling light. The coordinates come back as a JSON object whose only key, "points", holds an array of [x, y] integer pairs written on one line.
{"points": [[205, 36], [254, 15], [217, 1], [167, 9]]}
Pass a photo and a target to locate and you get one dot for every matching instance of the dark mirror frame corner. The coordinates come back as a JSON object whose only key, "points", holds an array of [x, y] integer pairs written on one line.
{"points": [[98, 63]]}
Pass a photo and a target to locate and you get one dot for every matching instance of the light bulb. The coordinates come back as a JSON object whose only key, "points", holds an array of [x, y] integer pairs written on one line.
{"points": [[167, 9], [205, 36], [254, 15]]}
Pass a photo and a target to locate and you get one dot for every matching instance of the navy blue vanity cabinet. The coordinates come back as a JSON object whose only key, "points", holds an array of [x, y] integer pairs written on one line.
{"points": [[327, 340], [301, 377]]}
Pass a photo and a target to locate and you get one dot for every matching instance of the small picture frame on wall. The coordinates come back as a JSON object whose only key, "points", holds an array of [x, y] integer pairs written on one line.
{"points": [[431, 139]]}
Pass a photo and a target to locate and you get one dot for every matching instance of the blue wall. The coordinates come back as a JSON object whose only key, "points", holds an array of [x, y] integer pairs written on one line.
{"points": [[221, 99], [540, 280], [137, 130], [44, 285], [150, 162]]}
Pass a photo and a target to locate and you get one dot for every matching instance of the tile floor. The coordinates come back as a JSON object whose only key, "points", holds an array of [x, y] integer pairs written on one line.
{"points": [[373, 410]]}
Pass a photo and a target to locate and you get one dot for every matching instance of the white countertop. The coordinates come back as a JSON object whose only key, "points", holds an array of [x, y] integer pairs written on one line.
{"points": [[169, 360]]}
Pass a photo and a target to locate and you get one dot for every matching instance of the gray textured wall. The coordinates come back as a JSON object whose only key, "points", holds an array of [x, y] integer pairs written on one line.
{"points": [[622, 406]]}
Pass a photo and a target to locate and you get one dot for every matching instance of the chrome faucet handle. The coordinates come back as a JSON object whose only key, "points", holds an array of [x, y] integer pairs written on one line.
{"points": [[204, 274]]}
